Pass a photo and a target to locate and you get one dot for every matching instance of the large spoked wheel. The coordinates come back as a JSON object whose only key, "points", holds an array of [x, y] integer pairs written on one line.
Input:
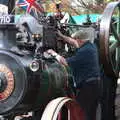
{"points": [[110, 58], [110, 39], [62, 108]]}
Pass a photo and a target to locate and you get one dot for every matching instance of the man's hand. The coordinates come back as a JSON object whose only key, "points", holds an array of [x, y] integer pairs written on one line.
{"points": [[59, 58], [52, 52]]}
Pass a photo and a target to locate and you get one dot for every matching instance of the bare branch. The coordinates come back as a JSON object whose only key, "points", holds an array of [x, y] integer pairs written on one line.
{"points": [[97, 6]]}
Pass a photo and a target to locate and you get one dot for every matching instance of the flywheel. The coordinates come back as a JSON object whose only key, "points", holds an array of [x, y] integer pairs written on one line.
{"points": [[110, 39]]}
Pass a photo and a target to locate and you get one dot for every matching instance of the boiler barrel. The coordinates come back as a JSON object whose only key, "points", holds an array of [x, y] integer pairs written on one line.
{"points": [[23, 90]]}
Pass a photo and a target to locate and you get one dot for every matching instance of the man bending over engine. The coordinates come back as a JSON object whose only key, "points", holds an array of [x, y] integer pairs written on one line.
{"points": [[85, 67]]}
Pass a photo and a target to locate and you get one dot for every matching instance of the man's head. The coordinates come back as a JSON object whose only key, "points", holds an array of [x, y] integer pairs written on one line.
{"points": [[85, 34]]}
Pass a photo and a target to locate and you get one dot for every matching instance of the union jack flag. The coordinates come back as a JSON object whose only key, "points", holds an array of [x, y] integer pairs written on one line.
{"points": [[30, 6]]}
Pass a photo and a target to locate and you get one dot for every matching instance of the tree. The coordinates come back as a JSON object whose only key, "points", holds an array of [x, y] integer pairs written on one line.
{"points": [[94, 6]]}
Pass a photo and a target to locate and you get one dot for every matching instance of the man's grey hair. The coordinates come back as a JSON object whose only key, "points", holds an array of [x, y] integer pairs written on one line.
{"points": [[86, 34]]}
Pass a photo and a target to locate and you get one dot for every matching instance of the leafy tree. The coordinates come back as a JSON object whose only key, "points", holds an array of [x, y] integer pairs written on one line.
{"points": [[94, 6]]}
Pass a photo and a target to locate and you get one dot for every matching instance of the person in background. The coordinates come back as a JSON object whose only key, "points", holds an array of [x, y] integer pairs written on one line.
{"points": [[85, 69]]}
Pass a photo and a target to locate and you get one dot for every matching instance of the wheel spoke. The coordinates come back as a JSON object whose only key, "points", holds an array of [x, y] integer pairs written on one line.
{"points": [[118, 24], [117, 58], [113, 47], [113, 29]]}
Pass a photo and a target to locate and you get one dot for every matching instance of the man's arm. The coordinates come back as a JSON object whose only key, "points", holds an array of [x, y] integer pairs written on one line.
{"points": [[68, 39]]}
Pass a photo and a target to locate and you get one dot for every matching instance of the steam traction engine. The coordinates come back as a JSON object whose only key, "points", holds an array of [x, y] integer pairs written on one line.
{"points": [[29, 79]]}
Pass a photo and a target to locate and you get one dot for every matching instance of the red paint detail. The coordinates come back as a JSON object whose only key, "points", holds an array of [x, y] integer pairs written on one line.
{"points": [[59, 116], [76, 112], [1, 97]]}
